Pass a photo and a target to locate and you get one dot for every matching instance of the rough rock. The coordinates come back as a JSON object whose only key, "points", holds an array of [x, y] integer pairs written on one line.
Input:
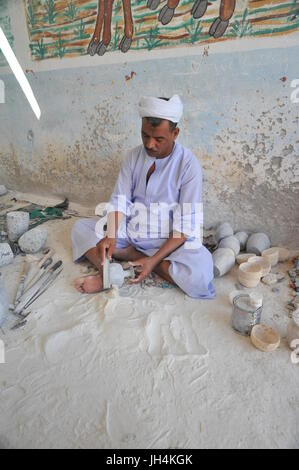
{"points": [[17, 224], [6, 254], [33, 240], [3, 190], [270, 279]]}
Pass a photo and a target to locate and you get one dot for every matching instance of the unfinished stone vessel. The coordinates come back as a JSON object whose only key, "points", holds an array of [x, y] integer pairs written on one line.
{"points": [[6, 254], [263, 262], [117, 274], [224, 260], [34, 240], [265, 338], [272, 255], [242, 237], [17, 224], [232, 243], [244, 257], [249, 274], [3, 190], [224, 230], [258, 242], [284, 254]]}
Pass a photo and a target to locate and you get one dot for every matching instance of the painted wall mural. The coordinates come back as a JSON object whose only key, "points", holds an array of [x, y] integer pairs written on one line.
{"points": [[5, 23], [69, 28]]}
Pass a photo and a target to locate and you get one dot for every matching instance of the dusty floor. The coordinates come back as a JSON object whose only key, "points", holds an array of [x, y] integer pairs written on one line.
{"points": [[149, 369]]}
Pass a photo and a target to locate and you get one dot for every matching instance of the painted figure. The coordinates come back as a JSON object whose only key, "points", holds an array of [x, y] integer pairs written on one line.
{"points": [[102, 34], [219, 26], [99, 41]]}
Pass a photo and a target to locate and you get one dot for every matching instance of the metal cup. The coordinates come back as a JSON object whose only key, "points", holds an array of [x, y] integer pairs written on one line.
{"points": [[245, 316]]}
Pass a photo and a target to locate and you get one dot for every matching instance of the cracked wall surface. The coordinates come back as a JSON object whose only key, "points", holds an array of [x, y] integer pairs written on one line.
{"points": [[239, 121]]}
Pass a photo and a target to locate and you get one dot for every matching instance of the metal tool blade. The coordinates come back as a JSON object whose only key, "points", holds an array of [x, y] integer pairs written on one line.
{"points": [[20, 289], [106, 273]]}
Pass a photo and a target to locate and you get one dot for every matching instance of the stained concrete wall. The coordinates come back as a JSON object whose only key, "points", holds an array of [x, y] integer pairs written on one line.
{"points": [[239, 120]]}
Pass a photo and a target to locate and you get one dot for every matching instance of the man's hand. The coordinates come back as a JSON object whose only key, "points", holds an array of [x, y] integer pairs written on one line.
{"points": [[147, 264], [106, 244]]}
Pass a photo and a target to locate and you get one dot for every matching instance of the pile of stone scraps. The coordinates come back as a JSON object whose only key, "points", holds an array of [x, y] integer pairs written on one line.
{"points": [[32, 238]]}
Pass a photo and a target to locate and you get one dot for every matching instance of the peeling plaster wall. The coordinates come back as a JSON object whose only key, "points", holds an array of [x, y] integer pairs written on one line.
{"points": [[239, 121]]}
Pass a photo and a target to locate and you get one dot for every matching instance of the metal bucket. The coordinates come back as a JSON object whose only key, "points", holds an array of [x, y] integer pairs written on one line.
{"points": [[245, 315]]}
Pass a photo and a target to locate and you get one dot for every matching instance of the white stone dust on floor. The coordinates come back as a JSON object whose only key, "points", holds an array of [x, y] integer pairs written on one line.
{"points": [[143, 368]]}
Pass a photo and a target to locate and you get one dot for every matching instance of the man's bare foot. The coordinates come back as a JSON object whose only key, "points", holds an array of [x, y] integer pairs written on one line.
{"points": [[89, 284]]}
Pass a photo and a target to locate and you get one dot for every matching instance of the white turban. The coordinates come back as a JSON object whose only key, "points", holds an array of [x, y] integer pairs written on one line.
{"points": [[171, 110]]}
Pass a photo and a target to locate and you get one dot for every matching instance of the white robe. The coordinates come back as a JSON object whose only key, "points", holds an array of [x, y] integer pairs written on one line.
{"points": [[177, 180]]}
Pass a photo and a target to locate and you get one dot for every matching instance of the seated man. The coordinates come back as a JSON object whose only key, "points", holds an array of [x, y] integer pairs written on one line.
{"points": [[159, 174]]}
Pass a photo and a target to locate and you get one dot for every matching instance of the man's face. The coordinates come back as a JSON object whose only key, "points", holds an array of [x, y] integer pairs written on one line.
{"points": [[158, 141]]}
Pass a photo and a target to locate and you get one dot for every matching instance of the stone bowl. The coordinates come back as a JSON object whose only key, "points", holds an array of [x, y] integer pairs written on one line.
{"points": [[223, 260], [257, 242], [265, 338], [224, 230], [249, 274], [244, 257], [263, 262], [242, 237], [284, 254], [272, 255], [230, 242]]}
